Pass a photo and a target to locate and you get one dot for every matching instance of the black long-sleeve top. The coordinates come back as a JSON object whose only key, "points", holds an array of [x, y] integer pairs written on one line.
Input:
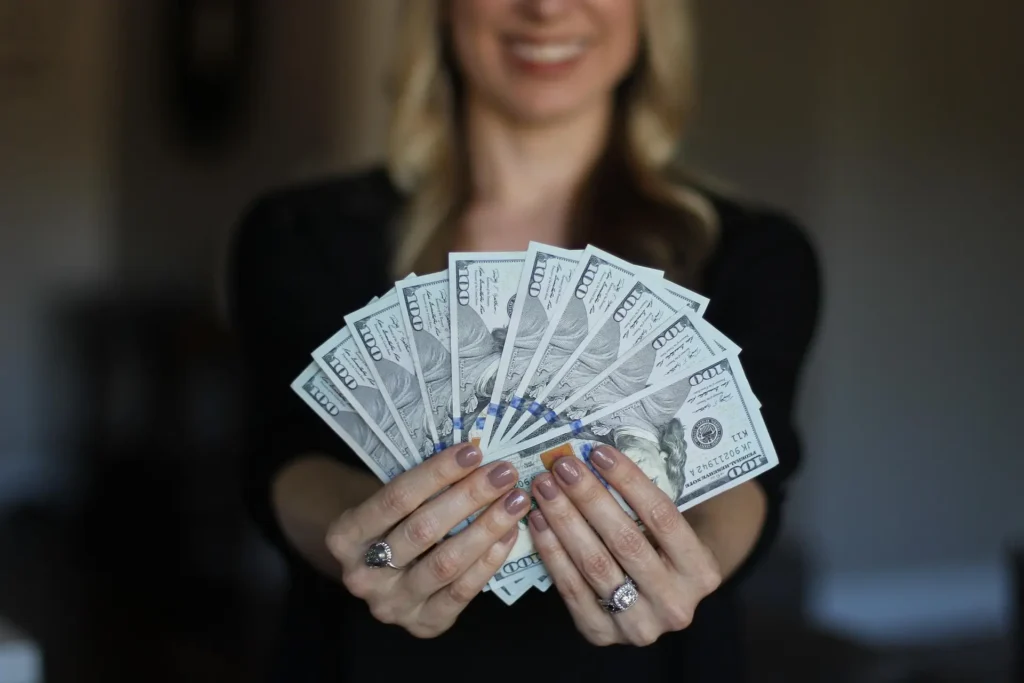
{"points": [[305, 256]]}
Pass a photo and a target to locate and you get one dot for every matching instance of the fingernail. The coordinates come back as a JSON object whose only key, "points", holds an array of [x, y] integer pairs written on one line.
{"points": [[538, 521], [507, 538], [469, 456], [502, 475], [603, 458], [516, 501], [567, 470], [547, 488]]}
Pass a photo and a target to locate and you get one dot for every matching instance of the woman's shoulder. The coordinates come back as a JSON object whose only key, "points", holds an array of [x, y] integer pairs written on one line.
{"points": [[339, 202], [750, 230], [319, 219], [759, 248], [314, 237]]}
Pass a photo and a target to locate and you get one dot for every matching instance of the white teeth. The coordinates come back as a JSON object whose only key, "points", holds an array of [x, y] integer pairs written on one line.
{"points": [[547, 53]]}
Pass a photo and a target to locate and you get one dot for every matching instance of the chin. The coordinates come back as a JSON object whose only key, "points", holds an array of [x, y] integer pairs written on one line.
{"points": [[546, 108]]}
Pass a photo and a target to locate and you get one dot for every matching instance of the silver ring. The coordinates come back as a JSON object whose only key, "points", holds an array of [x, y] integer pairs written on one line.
{"points": [[378, 556], [624, 597]]}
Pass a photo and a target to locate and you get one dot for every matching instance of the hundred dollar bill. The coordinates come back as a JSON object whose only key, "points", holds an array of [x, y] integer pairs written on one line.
{"points": [[695, 436], [523, 564], [514, 587], [381, 337], [599, 282], [545, 281], [343, 363], [676, 345], [482, 291], [688, 299], [313, 386], [642, 309], [427, 318]]}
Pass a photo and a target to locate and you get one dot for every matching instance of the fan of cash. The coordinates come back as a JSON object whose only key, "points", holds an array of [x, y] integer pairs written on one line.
{"points": [[537, 355]]}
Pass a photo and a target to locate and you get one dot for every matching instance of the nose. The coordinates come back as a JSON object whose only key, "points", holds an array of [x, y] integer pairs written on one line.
{"points": [[545, 9]]}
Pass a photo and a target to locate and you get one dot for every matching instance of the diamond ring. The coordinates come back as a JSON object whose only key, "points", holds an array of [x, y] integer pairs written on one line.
{"points": [[624, 597], [378, 556]]}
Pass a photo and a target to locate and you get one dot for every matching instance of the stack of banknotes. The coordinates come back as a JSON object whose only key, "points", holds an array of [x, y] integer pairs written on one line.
{"points": [[537, 355]]}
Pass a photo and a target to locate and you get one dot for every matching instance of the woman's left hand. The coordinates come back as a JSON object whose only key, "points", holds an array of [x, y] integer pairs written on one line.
{"points": [[590, 547]]}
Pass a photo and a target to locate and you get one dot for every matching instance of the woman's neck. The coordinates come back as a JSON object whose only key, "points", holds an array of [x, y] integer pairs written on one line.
{"points": [[529, 169]]}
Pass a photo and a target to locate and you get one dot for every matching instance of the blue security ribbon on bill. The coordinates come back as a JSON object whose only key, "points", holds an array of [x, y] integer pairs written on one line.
{"points": [[457, 422], [535, 408], [551, 416], [516, 402], [492, 409]]}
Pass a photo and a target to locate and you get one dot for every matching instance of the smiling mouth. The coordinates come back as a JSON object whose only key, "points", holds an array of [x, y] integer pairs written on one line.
{"points": [[547, 52]]}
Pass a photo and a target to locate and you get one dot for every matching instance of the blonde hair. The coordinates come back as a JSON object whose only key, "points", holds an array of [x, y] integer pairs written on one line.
{"points": [[424, 145]]}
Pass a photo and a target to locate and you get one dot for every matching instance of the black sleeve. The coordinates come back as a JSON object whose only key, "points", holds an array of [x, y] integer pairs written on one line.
{"points": [[277, 318], [767, 302]]}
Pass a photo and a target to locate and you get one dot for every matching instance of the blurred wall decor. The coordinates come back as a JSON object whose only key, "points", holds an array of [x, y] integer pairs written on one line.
{"points": [[211, 54]]}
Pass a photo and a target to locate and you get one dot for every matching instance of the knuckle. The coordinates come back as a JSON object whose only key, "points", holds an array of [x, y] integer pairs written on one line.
{"points": [[355, 583], [598, 636], [590, 493], [711, 576], [422, 530], [384, 612], [492, 525], [461, 593], [442, 473], [344, 528], [424, 631], [479, 491], [678, 616], [558, 514], [342, 534], [397, 499], [445, 563], [598, 566], [665, 518], [630, 543], [643, 635], [572, 589], [495, 555]]}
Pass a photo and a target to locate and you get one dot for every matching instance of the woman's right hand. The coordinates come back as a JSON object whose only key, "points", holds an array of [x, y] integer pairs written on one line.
{"points": [[436, 580]]}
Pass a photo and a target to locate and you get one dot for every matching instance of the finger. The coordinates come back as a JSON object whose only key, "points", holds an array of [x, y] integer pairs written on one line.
{"points": [[591, 620], [443, 607], [599, 568], [620, 534], [434, 519], [656, 510], [403, 495], [583, 545], [446, 563]]}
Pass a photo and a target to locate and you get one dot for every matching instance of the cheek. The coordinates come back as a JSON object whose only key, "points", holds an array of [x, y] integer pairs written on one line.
{"points": [[475, 47], [621, 22]]}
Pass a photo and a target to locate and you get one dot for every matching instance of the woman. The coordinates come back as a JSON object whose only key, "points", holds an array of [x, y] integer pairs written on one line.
{"points": [[514, 120]]}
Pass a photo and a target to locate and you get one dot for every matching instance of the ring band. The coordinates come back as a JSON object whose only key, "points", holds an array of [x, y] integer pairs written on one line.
{"points": [[624, 597], [378, 556]]}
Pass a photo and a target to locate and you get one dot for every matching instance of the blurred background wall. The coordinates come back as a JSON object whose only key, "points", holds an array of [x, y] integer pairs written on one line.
{"points": [[889, 128], [57, 136], [892, 130]]}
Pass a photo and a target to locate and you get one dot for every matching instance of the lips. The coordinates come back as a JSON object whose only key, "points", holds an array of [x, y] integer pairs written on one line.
{"points": [[547, 52]]}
